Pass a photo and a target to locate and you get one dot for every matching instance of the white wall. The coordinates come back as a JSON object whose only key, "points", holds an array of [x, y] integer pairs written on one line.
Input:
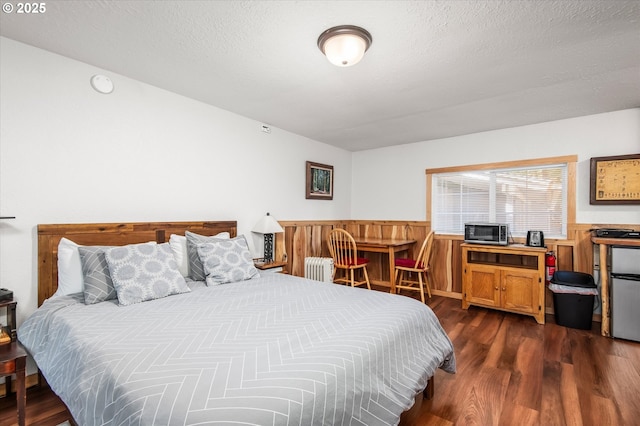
{"points": [[390, 183], [70, 155]]}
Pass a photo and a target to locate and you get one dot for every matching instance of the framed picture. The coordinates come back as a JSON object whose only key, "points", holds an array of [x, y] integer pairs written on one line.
{"points": [[615, 180], [319, 181]]}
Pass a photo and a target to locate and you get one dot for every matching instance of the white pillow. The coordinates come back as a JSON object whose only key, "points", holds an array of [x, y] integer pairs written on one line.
{"points": [[70, 277], [178, 245]]}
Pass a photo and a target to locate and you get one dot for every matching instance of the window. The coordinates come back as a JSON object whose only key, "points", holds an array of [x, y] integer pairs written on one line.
{"points": [[531, 195]]}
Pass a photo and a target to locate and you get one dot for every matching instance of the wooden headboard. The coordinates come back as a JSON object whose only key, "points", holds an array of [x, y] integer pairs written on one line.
{"points": [[109, 234]]}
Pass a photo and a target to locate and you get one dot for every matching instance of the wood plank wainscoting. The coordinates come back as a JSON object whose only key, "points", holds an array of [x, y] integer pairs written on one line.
{"points": [[308, 238]]}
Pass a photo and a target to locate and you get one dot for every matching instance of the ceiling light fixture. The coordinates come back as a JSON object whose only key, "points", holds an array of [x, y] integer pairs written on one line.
{"points": [[344, 45]]}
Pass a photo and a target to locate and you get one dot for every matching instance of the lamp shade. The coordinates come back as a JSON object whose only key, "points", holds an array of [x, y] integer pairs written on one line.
{"points": [[344, 45], [267, 225]]}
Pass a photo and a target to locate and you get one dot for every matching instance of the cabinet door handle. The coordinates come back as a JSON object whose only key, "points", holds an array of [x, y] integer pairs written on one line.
{"points": [[504, 289], [497, 288]]}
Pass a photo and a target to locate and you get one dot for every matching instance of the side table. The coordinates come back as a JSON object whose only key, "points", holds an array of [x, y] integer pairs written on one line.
{"points": [[275, 266], [13, 360]]}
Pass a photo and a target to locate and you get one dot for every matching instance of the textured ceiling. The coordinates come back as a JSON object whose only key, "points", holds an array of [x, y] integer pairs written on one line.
{"points": [[435, 69]]}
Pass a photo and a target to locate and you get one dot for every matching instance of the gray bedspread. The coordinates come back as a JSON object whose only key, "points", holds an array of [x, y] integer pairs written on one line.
{"points": [[277, 350]]}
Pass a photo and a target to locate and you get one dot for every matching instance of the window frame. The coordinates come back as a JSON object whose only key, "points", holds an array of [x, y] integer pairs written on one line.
{"points": [[569, 160]]}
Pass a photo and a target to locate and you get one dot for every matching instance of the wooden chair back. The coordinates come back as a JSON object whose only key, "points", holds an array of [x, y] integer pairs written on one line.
{"points": [[421, 267], [343, 248], [424, 257]]}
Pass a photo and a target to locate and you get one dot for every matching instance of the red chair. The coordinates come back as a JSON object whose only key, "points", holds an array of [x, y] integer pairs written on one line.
{"points": [[344, 252], [419, 266]]}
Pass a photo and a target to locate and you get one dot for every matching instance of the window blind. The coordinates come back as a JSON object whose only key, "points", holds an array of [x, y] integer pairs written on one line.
{"points": [[527, 198]]}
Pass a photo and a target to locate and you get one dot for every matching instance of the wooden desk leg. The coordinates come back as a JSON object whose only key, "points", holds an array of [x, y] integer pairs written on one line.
{"points": [[604, 277], [392, 266]]}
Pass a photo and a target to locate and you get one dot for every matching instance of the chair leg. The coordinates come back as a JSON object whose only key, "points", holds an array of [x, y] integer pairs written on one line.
{"points": [[401, 279], [427, 280], [366, 277], [421, 287]]}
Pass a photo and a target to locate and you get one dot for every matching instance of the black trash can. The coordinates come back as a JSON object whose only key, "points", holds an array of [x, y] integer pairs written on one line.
{"points": [[573, 309]]}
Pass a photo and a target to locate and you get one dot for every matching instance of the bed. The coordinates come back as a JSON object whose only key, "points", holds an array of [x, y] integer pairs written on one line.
{"points": [[270, 350]]}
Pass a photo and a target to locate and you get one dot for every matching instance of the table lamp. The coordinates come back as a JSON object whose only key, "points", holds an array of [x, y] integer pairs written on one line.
{"points": [[268, 226]]}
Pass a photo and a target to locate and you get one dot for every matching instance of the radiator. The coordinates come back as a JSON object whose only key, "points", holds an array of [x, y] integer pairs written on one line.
{"points": [[319, 268]]}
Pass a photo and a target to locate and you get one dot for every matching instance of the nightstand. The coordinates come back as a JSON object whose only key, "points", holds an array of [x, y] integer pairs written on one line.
{"points": [[13, 360], [271, 267]]}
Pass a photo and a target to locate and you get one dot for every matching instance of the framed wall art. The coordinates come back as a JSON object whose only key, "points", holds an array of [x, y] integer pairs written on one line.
{"points": [[319, 181], [615, 180]]}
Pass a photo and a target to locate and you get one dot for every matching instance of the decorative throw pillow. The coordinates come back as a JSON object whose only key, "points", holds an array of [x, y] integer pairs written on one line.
{"points": [[70, 279], [196, 270], [98, 286], [227, 261], [142, 272]]}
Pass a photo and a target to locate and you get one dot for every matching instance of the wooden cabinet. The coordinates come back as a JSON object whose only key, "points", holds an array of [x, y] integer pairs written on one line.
{"points": [[509, 278]]}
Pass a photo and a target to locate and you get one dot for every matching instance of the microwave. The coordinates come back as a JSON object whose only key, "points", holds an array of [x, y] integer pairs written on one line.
{"points": [[486, 233]]}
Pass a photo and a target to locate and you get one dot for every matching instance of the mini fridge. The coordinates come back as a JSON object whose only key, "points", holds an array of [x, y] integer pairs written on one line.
{"points": [[625, 293]]}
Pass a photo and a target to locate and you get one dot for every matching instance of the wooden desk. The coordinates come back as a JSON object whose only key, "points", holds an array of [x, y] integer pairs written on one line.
{"points": [[605, 243], [391, 247]]}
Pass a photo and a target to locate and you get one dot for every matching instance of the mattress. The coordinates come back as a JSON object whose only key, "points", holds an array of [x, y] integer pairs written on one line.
{"points": [[276, 350]]}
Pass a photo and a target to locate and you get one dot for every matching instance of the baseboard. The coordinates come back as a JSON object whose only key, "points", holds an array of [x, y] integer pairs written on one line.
{"points": [[448, 294]]}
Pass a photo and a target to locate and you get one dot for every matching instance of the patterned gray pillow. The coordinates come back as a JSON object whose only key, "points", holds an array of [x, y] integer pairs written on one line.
{"points": [[142, 272], [98, 286], [227, 261], [196, 270]]}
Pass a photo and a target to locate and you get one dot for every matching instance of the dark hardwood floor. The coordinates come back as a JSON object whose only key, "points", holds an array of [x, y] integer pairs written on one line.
{"points": [[44, 408], [510, 371]]}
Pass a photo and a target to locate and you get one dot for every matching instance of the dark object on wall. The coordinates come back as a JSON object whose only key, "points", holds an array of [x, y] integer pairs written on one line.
{"points": [[615, 180], [535, 239], [573, 310]]}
